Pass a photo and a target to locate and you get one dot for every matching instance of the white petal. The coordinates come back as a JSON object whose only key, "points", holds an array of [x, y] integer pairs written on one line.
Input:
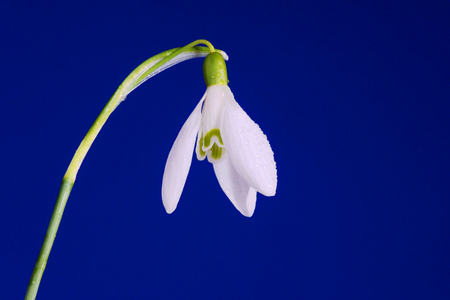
{"points": [[248, 149], [214, 104], [240, 193], [179, 160]]}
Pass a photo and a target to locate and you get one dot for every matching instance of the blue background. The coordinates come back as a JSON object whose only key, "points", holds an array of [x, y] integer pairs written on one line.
{"points": [[354, 98]]}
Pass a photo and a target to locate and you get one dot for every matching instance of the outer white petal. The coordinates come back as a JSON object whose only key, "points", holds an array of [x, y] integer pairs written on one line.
{"points": [[240, 193], [179, 160], [248, 149]]}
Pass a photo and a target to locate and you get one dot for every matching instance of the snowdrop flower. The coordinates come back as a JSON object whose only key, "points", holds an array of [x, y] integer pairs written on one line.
{"points": [[239, 151]]}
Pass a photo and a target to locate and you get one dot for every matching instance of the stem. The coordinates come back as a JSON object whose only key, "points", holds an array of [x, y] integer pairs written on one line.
{"points": [[151, 66]]}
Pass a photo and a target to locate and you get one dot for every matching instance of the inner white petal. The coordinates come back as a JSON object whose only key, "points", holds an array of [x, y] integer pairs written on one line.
{"points": [[215, 102]]}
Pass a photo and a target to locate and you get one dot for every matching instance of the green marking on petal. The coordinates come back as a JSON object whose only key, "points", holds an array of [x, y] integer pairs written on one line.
{"points": [[216, 152], [209, 135], [212, 148], [200, 146]]}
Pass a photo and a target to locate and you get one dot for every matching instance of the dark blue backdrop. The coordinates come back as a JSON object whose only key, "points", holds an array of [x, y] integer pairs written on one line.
{"points": [[353, 97]]}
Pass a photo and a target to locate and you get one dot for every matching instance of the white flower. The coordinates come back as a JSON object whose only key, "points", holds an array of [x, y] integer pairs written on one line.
{"points": [[239, 151]]}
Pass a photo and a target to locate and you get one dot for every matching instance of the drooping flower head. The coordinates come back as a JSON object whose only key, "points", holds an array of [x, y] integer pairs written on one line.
{"points": [[239, 151]]}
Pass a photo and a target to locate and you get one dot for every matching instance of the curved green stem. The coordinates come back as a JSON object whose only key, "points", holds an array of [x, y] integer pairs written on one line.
{"points": [[150, 67]]}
